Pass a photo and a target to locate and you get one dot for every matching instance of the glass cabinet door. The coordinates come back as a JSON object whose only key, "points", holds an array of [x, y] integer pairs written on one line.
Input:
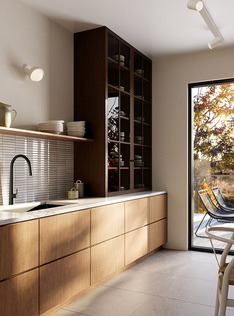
{"points": [[142, 122], [118, 115]]}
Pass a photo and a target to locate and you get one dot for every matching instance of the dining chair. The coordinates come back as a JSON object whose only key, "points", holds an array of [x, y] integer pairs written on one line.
{"points": [[226, 269], [221, 201], [214, 211]]}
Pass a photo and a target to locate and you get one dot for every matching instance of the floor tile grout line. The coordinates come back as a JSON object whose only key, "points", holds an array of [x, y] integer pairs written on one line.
{"points": [[78, 313], [177, 275], [151, 294]]}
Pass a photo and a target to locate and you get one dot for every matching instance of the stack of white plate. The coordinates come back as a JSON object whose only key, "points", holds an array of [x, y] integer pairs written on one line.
{"points": [[139, 139], [138, 161], [119, 58], [76, 128], [55, 127]]}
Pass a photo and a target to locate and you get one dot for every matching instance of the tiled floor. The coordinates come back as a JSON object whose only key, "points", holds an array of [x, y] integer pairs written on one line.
{"points": [[168, 283]]}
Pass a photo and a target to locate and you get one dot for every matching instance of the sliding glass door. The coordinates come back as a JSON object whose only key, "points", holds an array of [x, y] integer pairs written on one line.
{"points": [[211, 155]]}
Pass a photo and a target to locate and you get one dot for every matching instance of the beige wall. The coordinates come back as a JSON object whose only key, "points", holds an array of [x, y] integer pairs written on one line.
{"points": [[26, 37], [171, 76]]}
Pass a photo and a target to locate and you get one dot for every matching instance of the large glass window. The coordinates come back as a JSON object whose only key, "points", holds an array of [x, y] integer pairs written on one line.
{"points": [[211, 152]]}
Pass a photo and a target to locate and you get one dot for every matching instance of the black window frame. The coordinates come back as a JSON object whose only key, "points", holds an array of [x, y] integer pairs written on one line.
{"points": [[190, 154]]}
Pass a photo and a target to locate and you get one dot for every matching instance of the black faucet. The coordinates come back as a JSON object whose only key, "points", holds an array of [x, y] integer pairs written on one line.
{"points": [[13, 195]]}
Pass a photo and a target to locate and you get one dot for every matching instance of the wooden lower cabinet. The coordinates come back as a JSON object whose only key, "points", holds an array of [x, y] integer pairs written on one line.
{"points": [[72, 260], [136, 244], [136, 213], [19, 295], [18, 248], [158, 207], [107, 222], [62, 279], [64, 234], [106, 259], [157, 234]]}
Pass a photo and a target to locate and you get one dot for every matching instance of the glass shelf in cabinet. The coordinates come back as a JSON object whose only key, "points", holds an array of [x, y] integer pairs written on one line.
{"points": [[142, 145], [123, 142], [139, 97], [137, 121], [146, 80], [124, 67], [118, 88], [111, 60], [124, 117]]}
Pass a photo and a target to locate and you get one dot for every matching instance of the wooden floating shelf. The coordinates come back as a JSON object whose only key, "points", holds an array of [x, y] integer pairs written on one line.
{"points": [[36, 134]]}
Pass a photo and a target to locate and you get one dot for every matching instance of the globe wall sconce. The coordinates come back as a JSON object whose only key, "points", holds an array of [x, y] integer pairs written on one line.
{"points": [[34, 73]]}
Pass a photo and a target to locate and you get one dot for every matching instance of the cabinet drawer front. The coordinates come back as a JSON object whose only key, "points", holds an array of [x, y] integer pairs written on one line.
{"points": [[157, 234], [64, 278], [136, 213], [136, 244], [106, 259], [19, 295], [64, 234], [158, 207], [107, 222], [18, 248]]}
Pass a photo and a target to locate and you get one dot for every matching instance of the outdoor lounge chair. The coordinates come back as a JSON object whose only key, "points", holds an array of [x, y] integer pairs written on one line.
{"points": [[221, 201], [226, 269], [213, 211]]}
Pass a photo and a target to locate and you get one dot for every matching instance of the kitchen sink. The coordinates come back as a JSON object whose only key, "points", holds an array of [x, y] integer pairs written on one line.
{"points": [[42, 207], [28, 207]]}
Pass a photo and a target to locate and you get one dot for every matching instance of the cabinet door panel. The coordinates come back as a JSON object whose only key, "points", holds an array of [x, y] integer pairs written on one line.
{"points": [[19, 295], [64, 278], [158, 207], [106, 259], [136, 244], [107, 222], [64, 234], [157, 234], [18, 248], [136, 213]]}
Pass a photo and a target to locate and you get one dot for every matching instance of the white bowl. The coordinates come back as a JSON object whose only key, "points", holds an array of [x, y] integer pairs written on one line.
{"points": [[76, 123], [139, 71], [76, 127], [51, 131], [50, 125], [119, 57], [57, 128]]}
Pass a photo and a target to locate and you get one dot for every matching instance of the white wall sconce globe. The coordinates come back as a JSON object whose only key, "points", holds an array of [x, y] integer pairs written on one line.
{"points": [[34, 73]]}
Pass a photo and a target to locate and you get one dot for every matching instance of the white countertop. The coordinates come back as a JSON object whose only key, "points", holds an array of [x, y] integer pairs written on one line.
{"points": [[9, 217]]}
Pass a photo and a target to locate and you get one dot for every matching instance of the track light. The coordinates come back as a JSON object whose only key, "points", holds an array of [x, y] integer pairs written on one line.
{"points": [[200, 7], [215, 42], [195, 5], [34, 73]]}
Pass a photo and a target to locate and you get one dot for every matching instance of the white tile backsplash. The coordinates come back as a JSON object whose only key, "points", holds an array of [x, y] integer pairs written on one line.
{"points": [[52, 168]]}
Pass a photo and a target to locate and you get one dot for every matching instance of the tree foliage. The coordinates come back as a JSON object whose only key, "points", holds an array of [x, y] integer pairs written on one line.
{"points": [[214, 126]]}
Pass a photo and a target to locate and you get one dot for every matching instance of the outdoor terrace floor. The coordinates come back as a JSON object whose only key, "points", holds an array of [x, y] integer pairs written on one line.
{"points": [[205, 242]]}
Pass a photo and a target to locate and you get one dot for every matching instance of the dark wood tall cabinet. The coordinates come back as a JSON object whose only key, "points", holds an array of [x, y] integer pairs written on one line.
{"points": [[112, 93]]}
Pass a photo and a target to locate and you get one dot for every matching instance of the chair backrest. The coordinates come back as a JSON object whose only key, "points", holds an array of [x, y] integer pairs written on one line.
{"points": [[229, 240], [218, 196], [207, 202]]}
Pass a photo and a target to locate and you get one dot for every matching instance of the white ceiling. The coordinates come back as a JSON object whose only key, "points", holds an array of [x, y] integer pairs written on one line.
{"points": [[155, 27]]}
